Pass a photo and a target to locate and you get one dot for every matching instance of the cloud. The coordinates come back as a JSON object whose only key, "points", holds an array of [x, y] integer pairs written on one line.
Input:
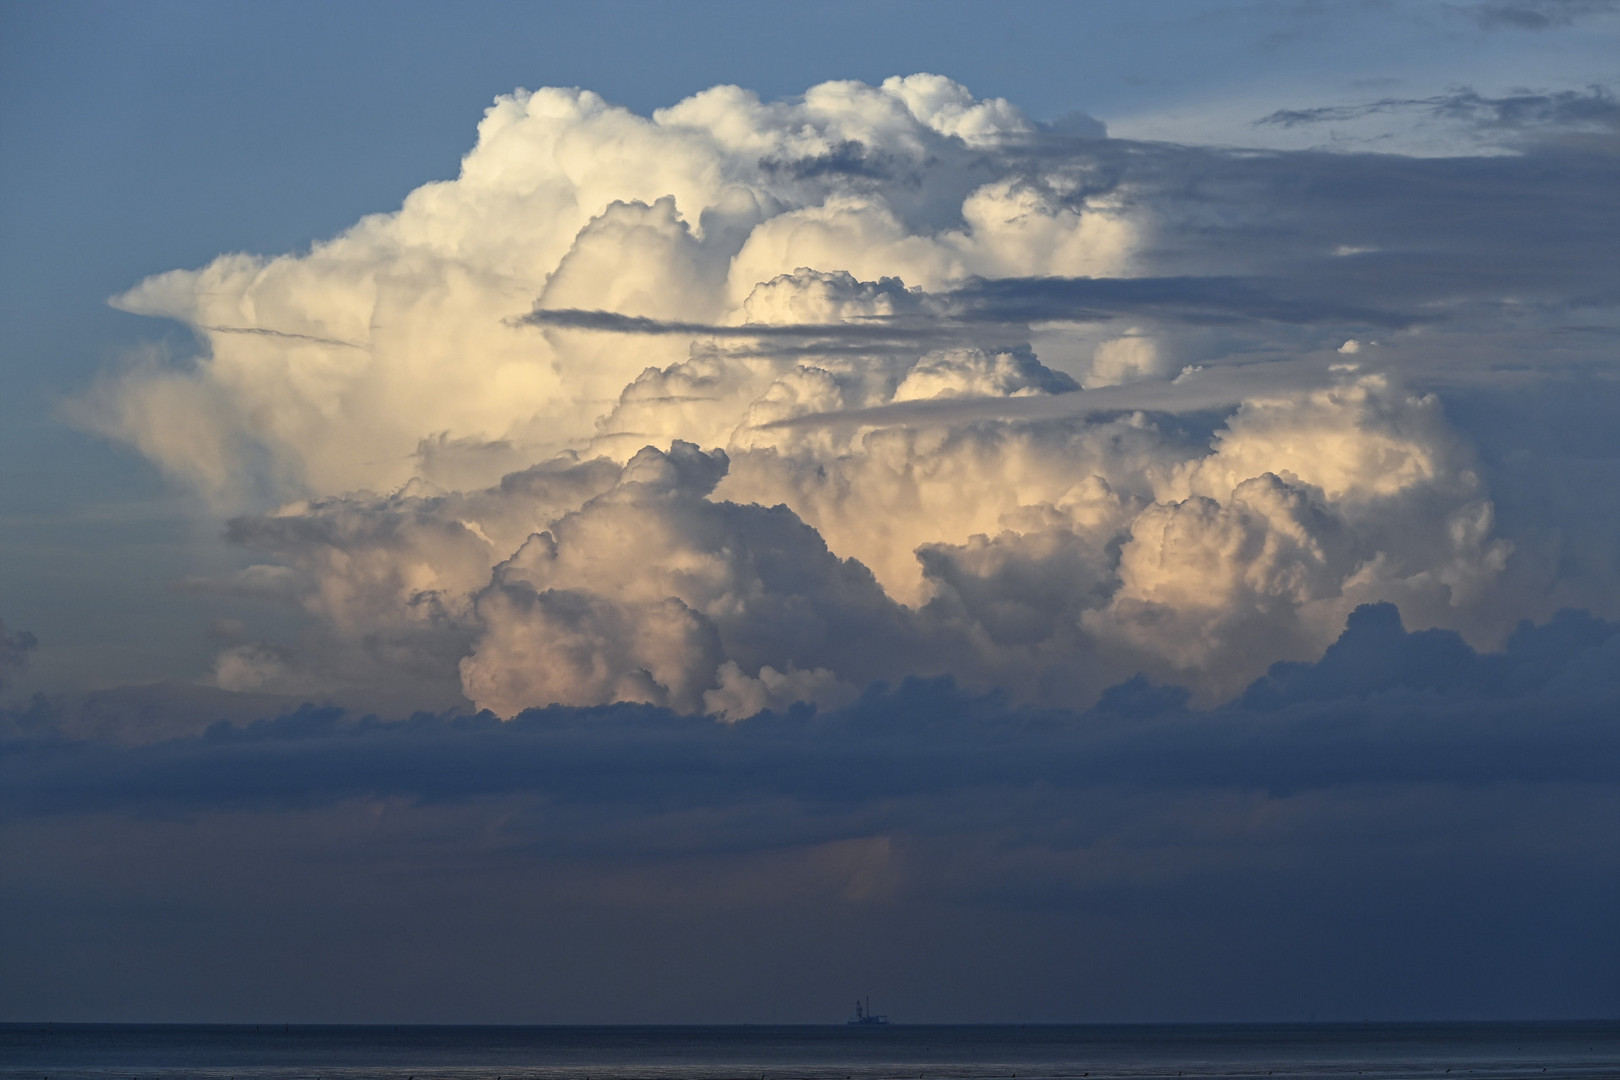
{"points": [[1013, 302], [664, 580], [647, 590], [745, 403], [1595, 105], [977, 374], [15, 649], [1410, 794], [338, 362], [1003, 550], [1376, 655], [1525, 115], [1125, 359], [1383, 703], [1534, 14], [279, 334], [1200, 299]]}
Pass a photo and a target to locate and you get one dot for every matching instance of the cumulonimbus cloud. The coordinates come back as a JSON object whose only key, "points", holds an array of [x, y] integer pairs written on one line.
{"points": [[560, 430]]}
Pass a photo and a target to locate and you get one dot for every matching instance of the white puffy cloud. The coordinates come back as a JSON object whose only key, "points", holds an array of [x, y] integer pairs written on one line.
{"points": [[1308, 505], [815, 296], [1359, 440], [644, 592], [1125, 359], [895, 488], [760, 495], [976, 373], [333, 366]]}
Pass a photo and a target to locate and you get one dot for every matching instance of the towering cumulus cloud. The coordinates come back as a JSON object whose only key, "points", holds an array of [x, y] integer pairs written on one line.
{"points": [[750, 403]]}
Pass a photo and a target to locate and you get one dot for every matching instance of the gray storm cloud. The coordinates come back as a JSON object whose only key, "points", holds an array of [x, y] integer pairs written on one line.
{"points": [[565, 429], [15, 650]]}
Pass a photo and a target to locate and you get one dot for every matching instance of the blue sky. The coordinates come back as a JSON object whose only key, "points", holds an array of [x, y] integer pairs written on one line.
{"points": [[1187, 558]]}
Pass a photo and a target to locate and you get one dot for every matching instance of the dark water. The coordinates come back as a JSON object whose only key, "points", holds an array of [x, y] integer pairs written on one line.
{"points": [[1093, 1052]]}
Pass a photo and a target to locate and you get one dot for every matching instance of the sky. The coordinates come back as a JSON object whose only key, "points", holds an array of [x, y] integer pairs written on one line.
{"points": [[689, 513]]}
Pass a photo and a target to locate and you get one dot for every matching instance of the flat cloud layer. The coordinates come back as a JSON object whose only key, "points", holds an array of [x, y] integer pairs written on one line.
{"points": [[750, 403], [1428, 823]]}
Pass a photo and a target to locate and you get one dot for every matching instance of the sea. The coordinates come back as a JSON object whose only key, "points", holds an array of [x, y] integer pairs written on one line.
{"points": [[1378, 1051]]}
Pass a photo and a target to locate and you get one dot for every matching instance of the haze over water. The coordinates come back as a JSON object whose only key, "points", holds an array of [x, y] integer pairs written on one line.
{"points": [[1029, 1052]]}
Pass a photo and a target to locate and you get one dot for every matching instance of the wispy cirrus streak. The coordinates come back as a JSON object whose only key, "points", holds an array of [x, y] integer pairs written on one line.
{"points": [[875, 327], [265, 331], [1191, 299]]}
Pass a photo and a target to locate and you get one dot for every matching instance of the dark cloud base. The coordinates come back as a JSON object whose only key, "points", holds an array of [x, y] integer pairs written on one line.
{"points": [[1404, 829]]}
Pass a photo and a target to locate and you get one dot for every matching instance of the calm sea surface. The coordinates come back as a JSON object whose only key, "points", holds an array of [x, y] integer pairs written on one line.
{"points": [[1094, 1052]]}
